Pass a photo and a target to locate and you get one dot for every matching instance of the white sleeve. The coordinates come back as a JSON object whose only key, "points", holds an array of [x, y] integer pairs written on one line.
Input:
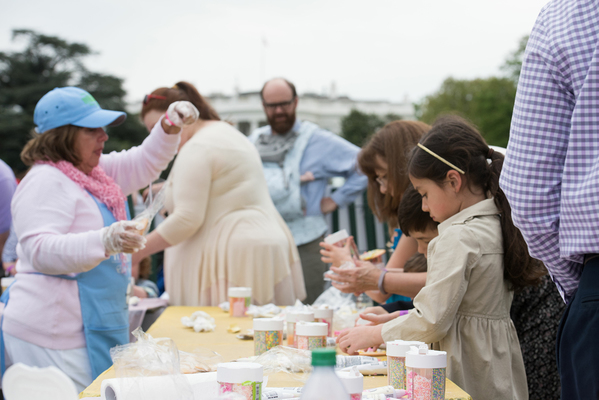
{"points": [[135, 168], [44, 210]]}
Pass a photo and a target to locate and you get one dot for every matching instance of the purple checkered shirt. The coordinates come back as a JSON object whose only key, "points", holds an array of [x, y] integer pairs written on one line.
{"points": [[551, 171]]}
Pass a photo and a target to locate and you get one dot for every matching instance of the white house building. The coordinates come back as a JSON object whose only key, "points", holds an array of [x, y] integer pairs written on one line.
{"points": [[245, 112]]}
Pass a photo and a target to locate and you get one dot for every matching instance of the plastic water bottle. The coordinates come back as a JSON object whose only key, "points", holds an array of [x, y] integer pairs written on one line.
{"points": [[324, 384]]}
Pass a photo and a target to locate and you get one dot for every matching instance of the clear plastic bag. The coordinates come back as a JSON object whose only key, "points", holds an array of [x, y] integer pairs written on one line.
{"points": [[153, 366], [345, 314], [153, 206], [297, 363]]}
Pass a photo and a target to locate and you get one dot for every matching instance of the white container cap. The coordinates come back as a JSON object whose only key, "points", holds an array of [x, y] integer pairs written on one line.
{"points": [[239, 372], [240, 292], [353, 380], [295, 316], [311, 329], [422, 357], [323, 313], [399, 348], [336, 237], [268, 324]]}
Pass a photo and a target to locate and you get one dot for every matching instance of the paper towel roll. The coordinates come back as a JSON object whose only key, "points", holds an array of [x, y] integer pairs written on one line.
{"points": [[202, 386]]}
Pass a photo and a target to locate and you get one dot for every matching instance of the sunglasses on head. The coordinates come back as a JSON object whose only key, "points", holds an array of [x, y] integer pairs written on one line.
{"points": [[147, 98]]}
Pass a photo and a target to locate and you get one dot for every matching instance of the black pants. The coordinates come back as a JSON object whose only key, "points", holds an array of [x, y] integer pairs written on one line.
{"points": [[578, 339]]}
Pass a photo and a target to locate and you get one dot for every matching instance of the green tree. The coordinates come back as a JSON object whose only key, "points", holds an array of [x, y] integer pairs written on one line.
{"points": [[513, 64], [488, 103], [47, 62], [357, 126]]}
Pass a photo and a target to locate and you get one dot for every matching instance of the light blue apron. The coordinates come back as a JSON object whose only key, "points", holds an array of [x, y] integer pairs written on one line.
{"points": [[102, 293]]}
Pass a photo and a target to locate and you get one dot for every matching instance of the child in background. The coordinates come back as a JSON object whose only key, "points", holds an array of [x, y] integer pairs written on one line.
{"points": [[474, 265]]}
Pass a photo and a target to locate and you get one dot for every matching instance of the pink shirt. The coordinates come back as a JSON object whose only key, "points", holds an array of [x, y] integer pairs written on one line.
{"points": [[58, 225]]}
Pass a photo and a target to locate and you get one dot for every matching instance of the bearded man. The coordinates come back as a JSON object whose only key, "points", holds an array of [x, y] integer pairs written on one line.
{"points": [[299, 158]]}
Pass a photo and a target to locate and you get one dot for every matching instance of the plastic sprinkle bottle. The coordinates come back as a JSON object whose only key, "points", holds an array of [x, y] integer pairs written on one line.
{"points": [[325, 315], [353, 381], [311, 335], [242, 378], [426, 373], [396, 362], [239, 300], [292, 318], [268, 333]]}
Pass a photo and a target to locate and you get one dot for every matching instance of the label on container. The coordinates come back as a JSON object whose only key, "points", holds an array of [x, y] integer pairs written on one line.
{"points": [[250, 390]]}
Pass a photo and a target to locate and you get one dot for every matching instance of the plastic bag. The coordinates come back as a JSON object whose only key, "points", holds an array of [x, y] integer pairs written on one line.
{"points": [[149, 357], [200, 321], [153, 206], [297, 363], [265, 311]]}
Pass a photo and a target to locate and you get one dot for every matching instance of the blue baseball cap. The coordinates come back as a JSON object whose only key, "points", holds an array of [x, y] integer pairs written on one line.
{"points": [[72, 106]]}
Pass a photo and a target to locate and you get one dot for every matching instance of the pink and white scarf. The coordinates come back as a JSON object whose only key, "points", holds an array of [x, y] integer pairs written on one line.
{"points": [[103, 187]]}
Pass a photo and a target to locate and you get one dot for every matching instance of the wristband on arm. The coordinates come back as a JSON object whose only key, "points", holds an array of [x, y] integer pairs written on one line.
{"points": [[381, 282]]}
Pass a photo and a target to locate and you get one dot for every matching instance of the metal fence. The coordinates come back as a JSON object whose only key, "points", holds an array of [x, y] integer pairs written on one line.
{"points": [[359, 221]]}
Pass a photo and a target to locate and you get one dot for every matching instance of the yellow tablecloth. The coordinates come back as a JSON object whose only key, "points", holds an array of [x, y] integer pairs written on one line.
{"points": [[231, 348]]}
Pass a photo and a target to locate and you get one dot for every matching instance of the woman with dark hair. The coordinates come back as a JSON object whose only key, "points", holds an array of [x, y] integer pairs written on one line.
{"points": [[68, 307], [223, 229]]}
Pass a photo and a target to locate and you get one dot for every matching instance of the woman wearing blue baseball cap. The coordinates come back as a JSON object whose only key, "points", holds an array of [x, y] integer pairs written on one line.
{"points": [[67, 307]]}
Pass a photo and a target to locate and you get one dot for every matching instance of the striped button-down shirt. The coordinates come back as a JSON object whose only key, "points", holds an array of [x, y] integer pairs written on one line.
{"points": [[551, 171]]}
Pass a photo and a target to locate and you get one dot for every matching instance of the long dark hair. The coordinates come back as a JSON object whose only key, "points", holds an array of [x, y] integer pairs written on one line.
{"points": [[459, 142], [392, 144], [180, 91]]}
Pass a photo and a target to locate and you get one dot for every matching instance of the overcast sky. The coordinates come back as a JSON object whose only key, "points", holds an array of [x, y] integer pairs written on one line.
{"points": [[380, 49]]}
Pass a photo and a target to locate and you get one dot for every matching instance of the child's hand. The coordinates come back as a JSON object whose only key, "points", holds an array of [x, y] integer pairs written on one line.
{"points": [[379, 319], [335, 255], [378, 310], [360, 337]]}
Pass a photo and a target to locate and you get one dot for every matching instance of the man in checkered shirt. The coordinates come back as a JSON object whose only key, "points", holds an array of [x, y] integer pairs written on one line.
{"points": [[551, 176]]}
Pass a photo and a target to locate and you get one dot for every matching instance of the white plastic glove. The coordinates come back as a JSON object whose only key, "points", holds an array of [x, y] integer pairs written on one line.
{"points": [[181, 113], [123, 237]]}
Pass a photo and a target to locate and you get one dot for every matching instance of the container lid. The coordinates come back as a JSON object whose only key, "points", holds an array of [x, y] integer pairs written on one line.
{"points": [[24, 382], [353, 380], [311, 329], [336, 237], [240, 292], [422, 357], [399, 348], [239, 372], [324, 357], [268, 324], [323, 313], [295, 316]]}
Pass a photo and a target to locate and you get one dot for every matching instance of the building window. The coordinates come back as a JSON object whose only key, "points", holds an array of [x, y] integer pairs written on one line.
{"points": [[244, 127], [262, 123]]}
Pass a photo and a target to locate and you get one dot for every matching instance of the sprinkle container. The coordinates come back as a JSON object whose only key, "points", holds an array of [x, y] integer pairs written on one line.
{"points": [[240, 377], [325, 315], [396, 362], [239, 300], [268, 333], [292, 318], [353, 381], [425, 377], [311, 335]]}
